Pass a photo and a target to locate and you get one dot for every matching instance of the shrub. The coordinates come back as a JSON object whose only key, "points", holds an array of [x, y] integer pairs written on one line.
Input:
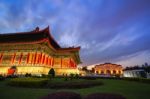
{"points": [[88, 77], [76, 76], [28, 75], [143, 80], [71, 76], [66, 78], [73, 84], [2, 78], [12, 76], [44, 76], [62, 95], [104, 96], [55, 84], [28, 82]]}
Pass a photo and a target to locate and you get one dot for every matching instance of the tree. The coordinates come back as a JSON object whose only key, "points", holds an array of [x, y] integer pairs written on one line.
{"points": [[52, 72], [147, 69], [84, 68], [93, 70], [146, 64]]}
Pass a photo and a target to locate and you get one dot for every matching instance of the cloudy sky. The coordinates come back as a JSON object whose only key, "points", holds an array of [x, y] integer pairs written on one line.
{"points": [[116, 31]]}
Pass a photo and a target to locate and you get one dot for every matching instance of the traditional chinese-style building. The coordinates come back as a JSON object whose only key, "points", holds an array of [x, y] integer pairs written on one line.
{"points": [[108, 69], [36, 52]]}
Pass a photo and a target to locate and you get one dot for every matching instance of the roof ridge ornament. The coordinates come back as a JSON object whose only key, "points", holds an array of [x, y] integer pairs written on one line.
{"points": [[37, 29]]}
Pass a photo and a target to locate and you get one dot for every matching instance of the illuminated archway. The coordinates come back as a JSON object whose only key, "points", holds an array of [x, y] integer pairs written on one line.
{"points": [[97, 72], [108, 72], [119, 72], [114, 71], [102, 72]]}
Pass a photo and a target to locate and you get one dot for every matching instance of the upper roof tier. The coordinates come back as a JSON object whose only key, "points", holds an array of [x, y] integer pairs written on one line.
{"points": [[35, 35]]}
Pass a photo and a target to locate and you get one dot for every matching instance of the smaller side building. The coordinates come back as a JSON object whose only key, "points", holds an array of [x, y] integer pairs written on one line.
{"points": [[134, 73], [108, 69]]}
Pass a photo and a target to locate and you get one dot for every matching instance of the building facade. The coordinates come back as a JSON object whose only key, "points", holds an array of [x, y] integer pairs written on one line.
{"points": [[135, 73], [36, 52], [108, 69]]}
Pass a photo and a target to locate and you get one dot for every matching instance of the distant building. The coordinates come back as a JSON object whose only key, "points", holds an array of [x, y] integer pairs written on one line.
{"points": [[134, 73], [108, 69], [36, 52]]}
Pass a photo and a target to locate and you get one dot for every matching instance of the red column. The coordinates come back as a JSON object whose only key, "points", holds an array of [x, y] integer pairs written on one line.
{"points": [[20, 58], [1, 57], [73, 64], [47, 60], [61, 62], [39, 59], [53, 62], [35, 56], [50, 61], [70, 63], [13, 58], [28, 56], [43, 59], [32, 60]]}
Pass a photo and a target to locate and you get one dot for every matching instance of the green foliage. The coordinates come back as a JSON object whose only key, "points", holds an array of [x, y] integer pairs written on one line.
{"points": [[73, 84], [28, 82], [88, 77], [76, 76], [44, 76], [131, 90], [54, 83], [66, 78], [28, 75], [2, 78], [71, 76], [143, 80]]}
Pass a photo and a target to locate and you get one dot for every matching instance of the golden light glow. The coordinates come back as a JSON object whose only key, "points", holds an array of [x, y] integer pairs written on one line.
{"points": [[31, 62]]}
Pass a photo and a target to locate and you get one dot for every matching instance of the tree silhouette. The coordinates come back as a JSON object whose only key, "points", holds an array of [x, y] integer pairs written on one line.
{"points": [[84, 68], [52, 72]]}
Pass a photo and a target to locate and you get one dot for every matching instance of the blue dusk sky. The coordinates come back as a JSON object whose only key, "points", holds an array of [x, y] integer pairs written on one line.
{"points": [[116, 31]]}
